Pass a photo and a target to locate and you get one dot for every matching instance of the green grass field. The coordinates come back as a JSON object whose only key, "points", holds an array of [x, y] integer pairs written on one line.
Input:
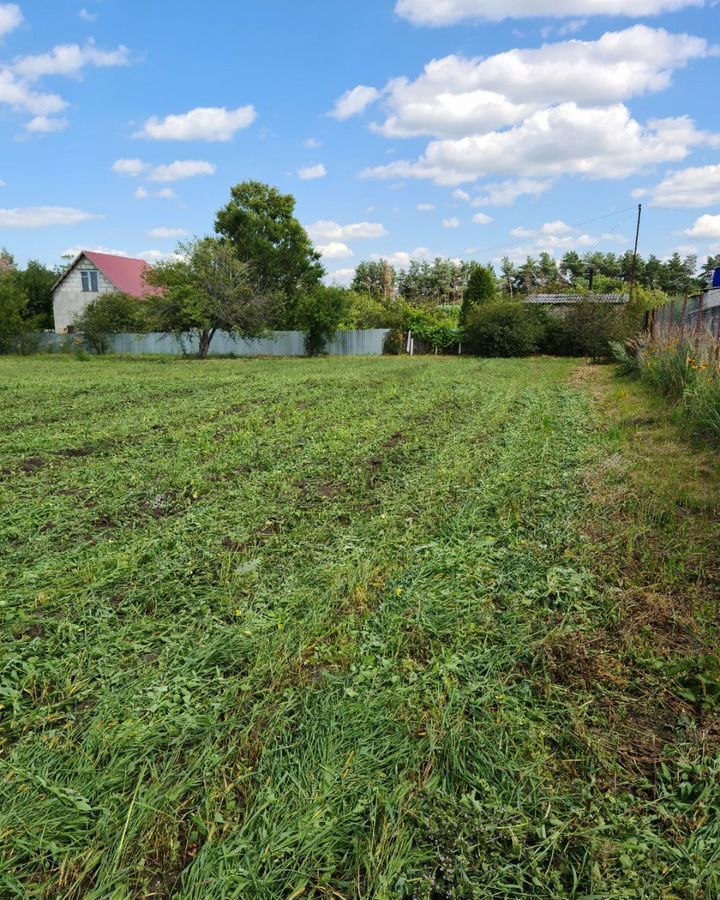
{"points": [[340, 628]]}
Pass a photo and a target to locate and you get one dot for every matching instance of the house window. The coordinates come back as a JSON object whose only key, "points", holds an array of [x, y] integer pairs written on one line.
{"points": [[89, 281]]}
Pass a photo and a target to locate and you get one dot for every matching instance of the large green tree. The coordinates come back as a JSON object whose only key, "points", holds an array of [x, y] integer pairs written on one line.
{"points": [[259, 222], [480, 291], [206, 288]]}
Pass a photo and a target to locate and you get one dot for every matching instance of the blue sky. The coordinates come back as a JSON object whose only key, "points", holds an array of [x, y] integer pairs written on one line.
{"points": [[461, 128]]}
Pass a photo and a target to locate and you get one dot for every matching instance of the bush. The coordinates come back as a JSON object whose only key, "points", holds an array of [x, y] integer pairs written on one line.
{"points": [[318, 313], [505, 329], [588, 329], [480, 291], [12, 306], [109, 314]]}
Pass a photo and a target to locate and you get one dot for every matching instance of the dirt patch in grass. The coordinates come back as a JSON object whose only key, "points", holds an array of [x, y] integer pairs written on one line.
{"points": [[76, 452], [33, 464]]}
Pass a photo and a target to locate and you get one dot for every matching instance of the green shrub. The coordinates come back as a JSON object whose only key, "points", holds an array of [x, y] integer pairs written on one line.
{"points": [[108, 314], [318, 313], [480, 291], [505, 329], [12, 306], [587, 329]]}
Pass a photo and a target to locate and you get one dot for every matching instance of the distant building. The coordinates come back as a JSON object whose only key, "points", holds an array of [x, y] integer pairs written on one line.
{"points": [[91, 274], [559, 304]]}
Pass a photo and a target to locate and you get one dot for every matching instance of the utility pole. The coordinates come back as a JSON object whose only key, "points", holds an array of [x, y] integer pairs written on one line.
{"points": [[635, 252]]}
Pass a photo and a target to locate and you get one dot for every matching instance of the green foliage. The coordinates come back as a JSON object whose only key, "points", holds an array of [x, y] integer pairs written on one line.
{"points": [[108, 314], [361, 310], [587, 329], [36, 281], [13, 304], [318, 313], [260, 224], [376, 278], [480, 291], [505, 329], [437, 329], [205, 289]]}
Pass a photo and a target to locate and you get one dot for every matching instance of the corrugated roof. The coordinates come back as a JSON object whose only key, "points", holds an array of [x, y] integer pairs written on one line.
{"points": [[126, 273], [569, 299]]}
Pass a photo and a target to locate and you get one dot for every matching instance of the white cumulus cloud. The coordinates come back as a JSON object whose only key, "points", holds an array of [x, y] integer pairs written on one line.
{"points": [[456, 96], [142, 193], [181, 169], [690, 188], [354, 102], [132, 167], [706, 228], [43, 216], [325, 230], [453, 222], [209, 123], [563, 140], [505, 193], [310, 173], [425, 207], [45, 125], [482, 219], [163, 233], [448, 12], [335, 250], [69, 60], [11, 18]]}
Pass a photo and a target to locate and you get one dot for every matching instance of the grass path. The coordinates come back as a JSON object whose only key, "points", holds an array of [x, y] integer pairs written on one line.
{"points": [[373, 628]]}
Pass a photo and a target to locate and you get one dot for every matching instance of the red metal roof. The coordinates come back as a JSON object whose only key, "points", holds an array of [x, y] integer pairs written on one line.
{"points": [[127, 274]]}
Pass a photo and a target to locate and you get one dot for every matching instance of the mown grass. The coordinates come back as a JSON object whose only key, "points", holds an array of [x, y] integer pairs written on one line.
{"points": [[353, 628]]}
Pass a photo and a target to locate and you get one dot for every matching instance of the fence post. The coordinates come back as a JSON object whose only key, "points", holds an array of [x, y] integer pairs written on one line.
{"points": [[653, 315], [700, 315]]}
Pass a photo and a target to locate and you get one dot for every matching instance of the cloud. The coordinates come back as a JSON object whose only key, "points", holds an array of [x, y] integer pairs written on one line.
{"points": [[482, 219], [705, 228], [312, 144], [358, 231], [505, 193], [459, 194], [425, 207], [181, 169], [87, 16], [456, 96], [557, 237], [340, 276], [335, 250], [686, 189], [449, 12], [402, 259], [3, 183], [563, 140], [43, 216], [74, 251], [21, 98], [549, 228], [175, 171], [132, 167], [69, 60], [309, 173], [164, 233], [11, 18], [143, 193], [45, 125], [354, 102], [155, 256], [453, 222], [210, 123]]}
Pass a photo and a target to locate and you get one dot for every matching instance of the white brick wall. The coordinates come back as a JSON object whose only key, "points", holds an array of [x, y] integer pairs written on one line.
{"points": [[69, 299]]}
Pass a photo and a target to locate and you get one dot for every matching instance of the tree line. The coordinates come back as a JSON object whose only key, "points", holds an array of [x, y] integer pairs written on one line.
{"points": [[259, 271]]}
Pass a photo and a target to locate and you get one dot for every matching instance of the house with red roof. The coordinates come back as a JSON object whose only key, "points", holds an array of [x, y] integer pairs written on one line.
{"points": [[91, 274]]}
